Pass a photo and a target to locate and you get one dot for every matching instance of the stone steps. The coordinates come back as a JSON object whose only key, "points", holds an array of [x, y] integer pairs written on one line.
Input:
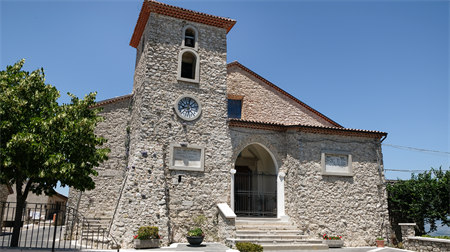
{"points": [[295, 247], [95, 227], [274, 234], [265, 227], [269, 232], [268, 240]]}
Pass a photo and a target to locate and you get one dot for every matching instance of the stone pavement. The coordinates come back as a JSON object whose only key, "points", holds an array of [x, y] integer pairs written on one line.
{"points": [[205, 247]]}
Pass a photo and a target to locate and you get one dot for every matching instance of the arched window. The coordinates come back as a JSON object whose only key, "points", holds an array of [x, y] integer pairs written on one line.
{"points": [[190, 37], [188, 64]]}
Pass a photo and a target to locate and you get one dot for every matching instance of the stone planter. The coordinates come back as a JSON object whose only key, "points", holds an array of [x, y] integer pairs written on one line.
{"points": [[334, 243], [150, 243], [195, 240], [380, 243]]}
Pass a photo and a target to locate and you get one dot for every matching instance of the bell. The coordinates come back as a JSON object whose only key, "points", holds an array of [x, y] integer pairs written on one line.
{"points": [[189, 42]]}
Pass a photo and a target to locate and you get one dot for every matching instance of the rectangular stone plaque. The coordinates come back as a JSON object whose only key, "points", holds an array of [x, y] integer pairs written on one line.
{"points": [[338, 163], [190, 158]]}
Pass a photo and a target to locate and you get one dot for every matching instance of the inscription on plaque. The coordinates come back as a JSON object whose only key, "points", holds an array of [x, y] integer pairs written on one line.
{"points": [[336, 163], [188, 158]]}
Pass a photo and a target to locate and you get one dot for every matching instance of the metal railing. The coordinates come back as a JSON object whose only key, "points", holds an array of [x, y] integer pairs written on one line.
{"points": [[53, 226], [255, 195]]}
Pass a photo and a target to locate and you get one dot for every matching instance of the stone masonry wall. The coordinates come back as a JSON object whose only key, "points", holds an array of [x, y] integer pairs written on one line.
{"points": [[152, 194], [4, 192], [354, 207], [262, 102], [101, 201], [421, 244]]}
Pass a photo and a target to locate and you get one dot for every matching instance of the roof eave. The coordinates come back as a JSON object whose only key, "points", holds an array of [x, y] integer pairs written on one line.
{"points": [[306, 128]]}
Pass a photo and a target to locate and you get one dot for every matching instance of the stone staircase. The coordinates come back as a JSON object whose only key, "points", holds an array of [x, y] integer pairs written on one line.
{"points": [[95, 228], [274, 234]]}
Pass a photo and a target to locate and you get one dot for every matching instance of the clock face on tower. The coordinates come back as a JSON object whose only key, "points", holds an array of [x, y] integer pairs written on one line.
{"points": [[188, 107]]}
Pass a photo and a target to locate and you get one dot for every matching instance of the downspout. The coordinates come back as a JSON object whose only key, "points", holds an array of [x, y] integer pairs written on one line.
{"points": [[380, 185]]}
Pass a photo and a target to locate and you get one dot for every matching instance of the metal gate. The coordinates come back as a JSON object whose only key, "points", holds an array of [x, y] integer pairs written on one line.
{"points": [[255, 194], [53, 226]]}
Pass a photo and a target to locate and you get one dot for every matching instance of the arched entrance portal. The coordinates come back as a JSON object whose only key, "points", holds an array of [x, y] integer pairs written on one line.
{"points": [[255, 183]]}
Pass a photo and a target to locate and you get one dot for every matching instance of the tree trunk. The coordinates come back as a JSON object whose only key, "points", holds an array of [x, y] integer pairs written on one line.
{"points": [[17, 222]]}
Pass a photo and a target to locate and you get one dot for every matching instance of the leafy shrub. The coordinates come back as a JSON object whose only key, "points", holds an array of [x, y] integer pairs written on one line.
{"points": [[380, 238], [400, 245], [145, 233], [195, 232], [248, 247]]}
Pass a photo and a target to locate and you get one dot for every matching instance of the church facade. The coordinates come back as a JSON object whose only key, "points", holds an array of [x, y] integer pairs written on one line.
{"points": [[196, 133]]}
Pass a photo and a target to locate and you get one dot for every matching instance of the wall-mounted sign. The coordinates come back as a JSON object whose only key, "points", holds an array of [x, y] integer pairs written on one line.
{"points": [[337, 163], [189, 158]]}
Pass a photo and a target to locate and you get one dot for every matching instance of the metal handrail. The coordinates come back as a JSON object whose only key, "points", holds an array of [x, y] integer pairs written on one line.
{"points": [[76, 227]]}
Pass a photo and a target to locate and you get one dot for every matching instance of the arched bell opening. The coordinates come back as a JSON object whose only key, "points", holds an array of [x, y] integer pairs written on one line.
{"points": [[188, 64], [255, 183]]}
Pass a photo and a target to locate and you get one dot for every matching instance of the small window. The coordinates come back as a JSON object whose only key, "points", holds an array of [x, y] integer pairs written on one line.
{"points": [[188, 65], [234, 108], [189, 37]]}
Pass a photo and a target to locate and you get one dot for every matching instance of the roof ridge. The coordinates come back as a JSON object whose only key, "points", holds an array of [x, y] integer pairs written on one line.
{"points": [[112, 100], [236, 63]]}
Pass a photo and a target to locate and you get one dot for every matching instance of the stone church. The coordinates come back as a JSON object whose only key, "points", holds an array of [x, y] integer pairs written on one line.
{"points": [[200, 137]]}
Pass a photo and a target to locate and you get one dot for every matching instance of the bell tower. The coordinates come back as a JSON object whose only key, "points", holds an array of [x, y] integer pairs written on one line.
{"points": [[179, 144]]}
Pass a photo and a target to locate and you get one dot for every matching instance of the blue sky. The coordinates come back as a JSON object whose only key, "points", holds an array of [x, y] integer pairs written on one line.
{"points": [[377, 65]]}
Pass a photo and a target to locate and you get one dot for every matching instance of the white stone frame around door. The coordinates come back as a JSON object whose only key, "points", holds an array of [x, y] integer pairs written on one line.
{"points": [[281, 214]]}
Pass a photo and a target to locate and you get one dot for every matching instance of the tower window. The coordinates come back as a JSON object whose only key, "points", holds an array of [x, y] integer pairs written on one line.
{"points": [[234, 108], [188, 65]]}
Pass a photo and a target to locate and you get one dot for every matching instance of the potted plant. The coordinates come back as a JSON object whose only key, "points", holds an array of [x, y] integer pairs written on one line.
{"points": [[332, 241], [195, 236], [147, 237], [380, 242]]}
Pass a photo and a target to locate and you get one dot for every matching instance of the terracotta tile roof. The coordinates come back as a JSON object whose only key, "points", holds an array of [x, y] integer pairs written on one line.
{"points": [[235, 63], [239, 123], [112, 100], [149, 6], [233, 122]]}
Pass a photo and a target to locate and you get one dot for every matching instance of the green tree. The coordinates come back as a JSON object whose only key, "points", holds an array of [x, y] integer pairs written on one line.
{"points": [[43, 142], [425, 198]]}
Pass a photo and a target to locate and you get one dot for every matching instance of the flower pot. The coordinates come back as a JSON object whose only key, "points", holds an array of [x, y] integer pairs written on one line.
{"points": [[380, 243], [150, 243], [334, 243], [195, 240]]}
